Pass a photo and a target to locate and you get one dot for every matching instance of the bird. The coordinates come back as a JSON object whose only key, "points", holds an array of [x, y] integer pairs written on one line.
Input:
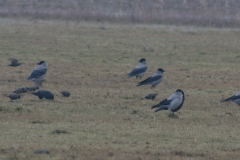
{"points": [[44, 94], [39, 72], [21, 90], [14, 62], [235, 98], [140, 70], [155, 79], [65, 93], [14, 96], [172, 103], [151, 96]]}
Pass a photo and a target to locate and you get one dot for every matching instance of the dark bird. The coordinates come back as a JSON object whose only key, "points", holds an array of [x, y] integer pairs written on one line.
{"points": [[65, 93], [235, 99], [14, 62], [172, 103], [44, 94], [151, 96], [14, 96], [154, 80], [32, 88], [38, 73], [140, 70], [21, 90]]}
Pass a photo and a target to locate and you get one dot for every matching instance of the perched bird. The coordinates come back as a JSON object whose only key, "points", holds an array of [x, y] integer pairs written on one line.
{"points": [[235, 98], [32, 88], [151, 96], [172, 103], [65, 93], [154, 80], [14, 62], [38, 73], [14, 96], [21, 90], [140, 70], [44, 94]]}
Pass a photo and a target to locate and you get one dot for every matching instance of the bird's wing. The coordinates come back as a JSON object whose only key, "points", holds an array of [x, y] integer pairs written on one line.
{"points": [[165, 102], [37, 73], [137, 71], [175, 103], [150, 80]]}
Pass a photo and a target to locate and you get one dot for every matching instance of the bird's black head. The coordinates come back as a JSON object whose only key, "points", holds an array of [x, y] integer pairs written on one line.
{"points": [[179, 90], [142, 60], [40, 62], [161, 70]]}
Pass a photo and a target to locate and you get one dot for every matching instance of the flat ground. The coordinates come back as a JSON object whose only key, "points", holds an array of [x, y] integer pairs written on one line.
{"points": [[105, 117]]}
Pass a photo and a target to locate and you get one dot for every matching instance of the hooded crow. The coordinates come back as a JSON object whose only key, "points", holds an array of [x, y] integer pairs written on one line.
{"points": [[151, 96], [14, 96], [65, 93], [172, 103], [14, 62], [235, 98], [44, 94], [140, 70], [39, 72], [21, 90], [154, 80]]}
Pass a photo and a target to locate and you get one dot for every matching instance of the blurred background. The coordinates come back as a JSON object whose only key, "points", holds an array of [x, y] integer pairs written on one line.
{"points": [[218, 13]]}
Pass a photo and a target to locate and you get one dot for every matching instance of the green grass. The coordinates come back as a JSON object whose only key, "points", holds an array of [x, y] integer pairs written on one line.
{"points": [[104, 117]]}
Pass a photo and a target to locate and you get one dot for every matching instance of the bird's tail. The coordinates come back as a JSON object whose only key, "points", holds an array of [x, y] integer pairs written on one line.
{"points": [[139, 84], [161, 108], [156, 106], [225, 100]]}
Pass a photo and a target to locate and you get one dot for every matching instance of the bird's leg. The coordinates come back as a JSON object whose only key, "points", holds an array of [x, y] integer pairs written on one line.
{"points": [[173, 113]]}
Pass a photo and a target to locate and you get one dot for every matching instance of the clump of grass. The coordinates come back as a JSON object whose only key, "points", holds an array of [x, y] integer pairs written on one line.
{"points": [[148, 48], [37, 122], [173, 116], [59, 131], [19, 109]]}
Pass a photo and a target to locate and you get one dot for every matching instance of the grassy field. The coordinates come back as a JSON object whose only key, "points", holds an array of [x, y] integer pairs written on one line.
{"points": [[105, 118]]}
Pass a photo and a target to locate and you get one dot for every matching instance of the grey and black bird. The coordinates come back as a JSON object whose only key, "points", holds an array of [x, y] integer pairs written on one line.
{"points": [[38, 73], [14, 96], [172, 103], [235, 99], [14, 62], [44, 94], [154, 80], [151, 96], [140, 70], [65, 93], [21, 90]]}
